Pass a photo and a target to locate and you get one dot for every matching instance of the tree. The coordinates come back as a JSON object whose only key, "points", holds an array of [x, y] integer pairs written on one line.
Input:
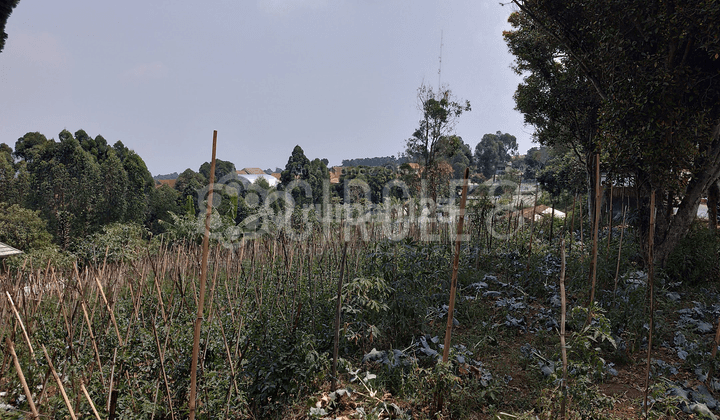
{"points": [[494, 150], [163, 201], [653, 68], [22, 228], [63, 180], [140, 183], [555, 96], [376, 178], [6, 8], [33, 147], [454, 151], [222, 168], [187, 184], [440, 112], [114, 186], [7, 173], [297, 168], [535, 160], [98, 147]]}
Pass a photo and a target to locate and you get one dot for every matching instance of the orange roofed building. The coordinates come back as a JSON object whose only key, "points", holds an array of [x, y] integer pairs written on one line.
{"points": [[169, 182]]}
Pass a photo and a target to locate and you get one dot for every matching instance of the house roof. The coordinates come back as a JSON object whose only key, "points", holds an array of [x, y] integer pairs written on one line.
{"points": [[7, 250], [540, 211], [335, 173], [251, 178], [250, 171], [169, 182]]}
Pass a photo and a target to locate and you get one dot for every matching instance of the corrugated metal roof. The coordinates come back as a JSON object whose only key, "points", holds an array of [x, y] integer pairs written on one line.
{"points": [[7, 250]]}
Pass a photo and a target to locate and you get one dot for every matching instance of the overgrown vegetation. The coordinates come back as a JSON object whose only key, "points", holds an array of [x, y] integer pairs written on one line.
{"points": [[267, 338]]}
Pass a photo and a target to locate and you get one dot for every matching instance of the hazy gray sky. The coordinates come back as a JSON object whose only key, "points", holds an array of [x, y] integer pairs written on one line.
{"points": [[337, 77]]}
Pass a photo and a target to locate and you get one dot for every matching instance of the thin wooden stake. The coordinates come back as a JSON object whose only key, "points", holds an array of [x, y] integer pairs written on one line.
{"points": [[338, 306], [25, 334], [112, 313], [203, 280], [622, 233], [94, 342], [19, 371], [596, 226], [563, 348], [161, 355], [87, 396], [60, 385], [650, 280], [456, 262]]}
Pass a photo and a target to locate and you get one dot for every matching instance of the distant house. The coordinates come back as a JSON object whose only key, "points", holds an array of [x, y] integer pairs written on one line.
{"points": [[335, 173], [6, 250], [251, 171], [539, 212], [169, 182], [251, 178]]}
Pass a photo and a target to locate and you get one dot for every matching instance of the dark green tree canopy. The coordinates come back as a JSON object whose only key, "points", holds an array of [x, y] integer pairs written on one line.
{"points": [[6, 8], [493, 150], [299, 167], [654, 68], [222, 169], [78, 183]]}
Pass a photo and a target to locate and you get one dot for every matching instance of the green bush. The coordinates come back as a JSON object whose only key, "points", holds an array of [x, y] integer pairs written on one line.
{"points": [[695, 259]]}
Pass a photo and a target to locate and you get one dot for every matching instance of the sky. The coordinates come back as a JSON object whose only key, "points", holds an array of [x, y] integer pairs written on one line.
{"points": [[337, 77]]}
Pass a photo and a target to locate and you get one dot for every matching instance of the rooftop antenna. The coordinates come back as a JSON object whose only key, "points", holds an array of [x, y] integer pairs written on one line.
{"points": [[440, 64]]}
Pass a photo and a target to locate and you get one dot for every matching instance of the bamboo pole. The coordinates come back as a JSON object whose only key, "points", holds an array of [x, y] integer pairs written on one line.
{"points": [[94, 342], [596, 226], [92, 405], [650, 280], [112, 383], [25, 334], [203, 280], [456, 262], [622, 233], [563, 347], [112, 313], [60, 385], [19, 371], [161, 355], [338, 306]]}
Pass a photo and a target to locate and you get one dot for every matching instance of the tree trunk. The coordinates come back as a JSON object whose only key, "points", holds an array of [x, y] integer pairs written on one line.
{"points": [[712, 205], [671, 228]]}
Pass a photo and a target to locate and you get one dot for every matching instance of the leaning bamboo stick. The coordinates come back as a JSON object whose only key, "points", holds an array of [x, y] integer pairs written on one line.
{"points": [[60, 385], [112, 313], [161, 354], [456, 262], [25, 334], [87, 396], [19, 371], [622, 233], [94, 343]]}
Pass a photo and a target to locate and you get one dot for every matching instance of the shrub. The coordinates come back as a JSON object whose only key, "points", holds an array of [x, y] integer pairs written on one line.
{"points": [[695, 259]]}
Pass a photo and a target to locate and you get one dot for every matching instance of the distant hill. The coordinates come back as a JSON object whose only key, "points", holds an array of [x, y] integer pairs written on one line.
{"points": [[375, 161], [173, 175]]}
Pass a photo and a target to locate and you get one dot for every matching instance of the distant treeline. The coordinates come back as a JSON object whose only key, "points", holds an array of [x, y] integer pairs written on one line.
{"points": [[375, 161], [173, 175]]}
